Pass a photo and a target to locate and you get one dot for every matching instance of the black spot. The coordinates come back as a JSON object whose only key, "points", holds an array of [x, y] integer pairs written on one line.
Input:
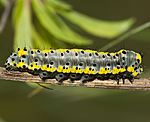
{"points": [[114, 57], [44, 73], [24, 66], [96, 54], [108, 64], [132, 65], [61, 54], [8, 68], [35, 69], [123, 58], [124, 52], [25, 49], [52, 51], [117, 55], [31, 65], [36, 60], [67, 63], [82, 51], [14, 64], [13, 59], [60, 75], [32, 52], [6, 61], [73, 75], [45, 54], [63, 67], [80, 64], [8, 64], [118, 67], [123, 63], [76, 54], [90, 54], [105, 68], [135, 68], [108, 54], [136, 63], [51, 63], [20, 60], [76, 68], [90, 68], [86, 76], [47, 65], [138, 60], [23, 56], [18, 49], [103, 56], [94, 65], [15, 54], [118, 63], [67, 51], [38, 51]]}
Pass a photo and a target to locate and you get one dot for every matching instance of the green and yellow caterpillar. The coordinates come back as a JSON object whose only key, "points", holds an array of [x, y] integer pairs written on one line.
{"points": [[76, 64]]}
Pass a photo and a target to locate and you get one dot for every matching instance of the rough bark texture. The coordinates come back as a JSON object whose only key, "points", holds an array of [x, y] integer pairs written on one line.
{"points": [[138, 84]]}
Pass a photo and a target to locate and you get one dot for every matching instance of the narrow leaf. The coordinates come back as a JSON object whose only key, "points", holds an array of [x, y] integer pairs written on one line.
{"points": [[54, 27], [107, 29], [38, 40], [3, 2], [45, 20], [17, 10], [59, 4], [23, 28], [70, 34]]}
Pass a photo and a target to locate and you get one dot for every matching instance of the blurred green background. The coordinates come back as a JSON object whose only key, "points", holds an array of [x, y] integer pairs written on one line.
{"points": [[73, 25]]}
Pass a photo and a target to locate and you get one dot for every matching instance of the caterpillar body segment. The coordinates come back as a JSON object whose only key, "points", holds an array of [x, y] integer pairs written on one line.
{"points": [[76, 64]]}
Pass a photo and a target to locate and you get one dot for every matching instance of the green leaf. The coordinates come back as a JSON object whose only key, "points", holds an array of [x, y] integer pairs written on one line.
{"points": [[17, 9], [23, 27], [45, 20], [38, 40], [107, 29], [59, 4], [70, 34], [55, 26], [3, 2]]}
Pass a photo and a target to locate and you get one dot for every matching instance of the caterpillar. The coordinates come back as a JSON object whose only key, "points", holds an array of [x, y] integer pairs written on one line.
{"points": [[77, 64]]}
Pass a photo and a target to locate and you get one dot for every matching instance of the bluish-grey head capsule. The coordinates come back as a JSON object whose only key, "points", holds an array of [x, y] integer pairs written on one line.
{"points": [[11, 62]]}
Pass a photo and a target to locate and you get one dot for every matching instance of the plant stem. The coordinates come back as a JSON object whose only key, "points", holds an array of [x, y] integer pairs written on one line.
{"points": [[125, 36]]}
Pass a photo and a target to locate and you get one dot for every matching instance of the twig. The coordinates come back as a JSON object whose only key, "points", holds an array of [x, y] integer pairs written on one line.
{"points": [[5, 15], [126, 35], [138, 84]]}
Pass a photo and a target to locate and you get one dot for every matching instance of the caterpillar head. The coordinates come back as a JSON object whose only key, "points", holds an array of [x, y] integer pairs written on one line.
{"points": [[11, 62]]}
